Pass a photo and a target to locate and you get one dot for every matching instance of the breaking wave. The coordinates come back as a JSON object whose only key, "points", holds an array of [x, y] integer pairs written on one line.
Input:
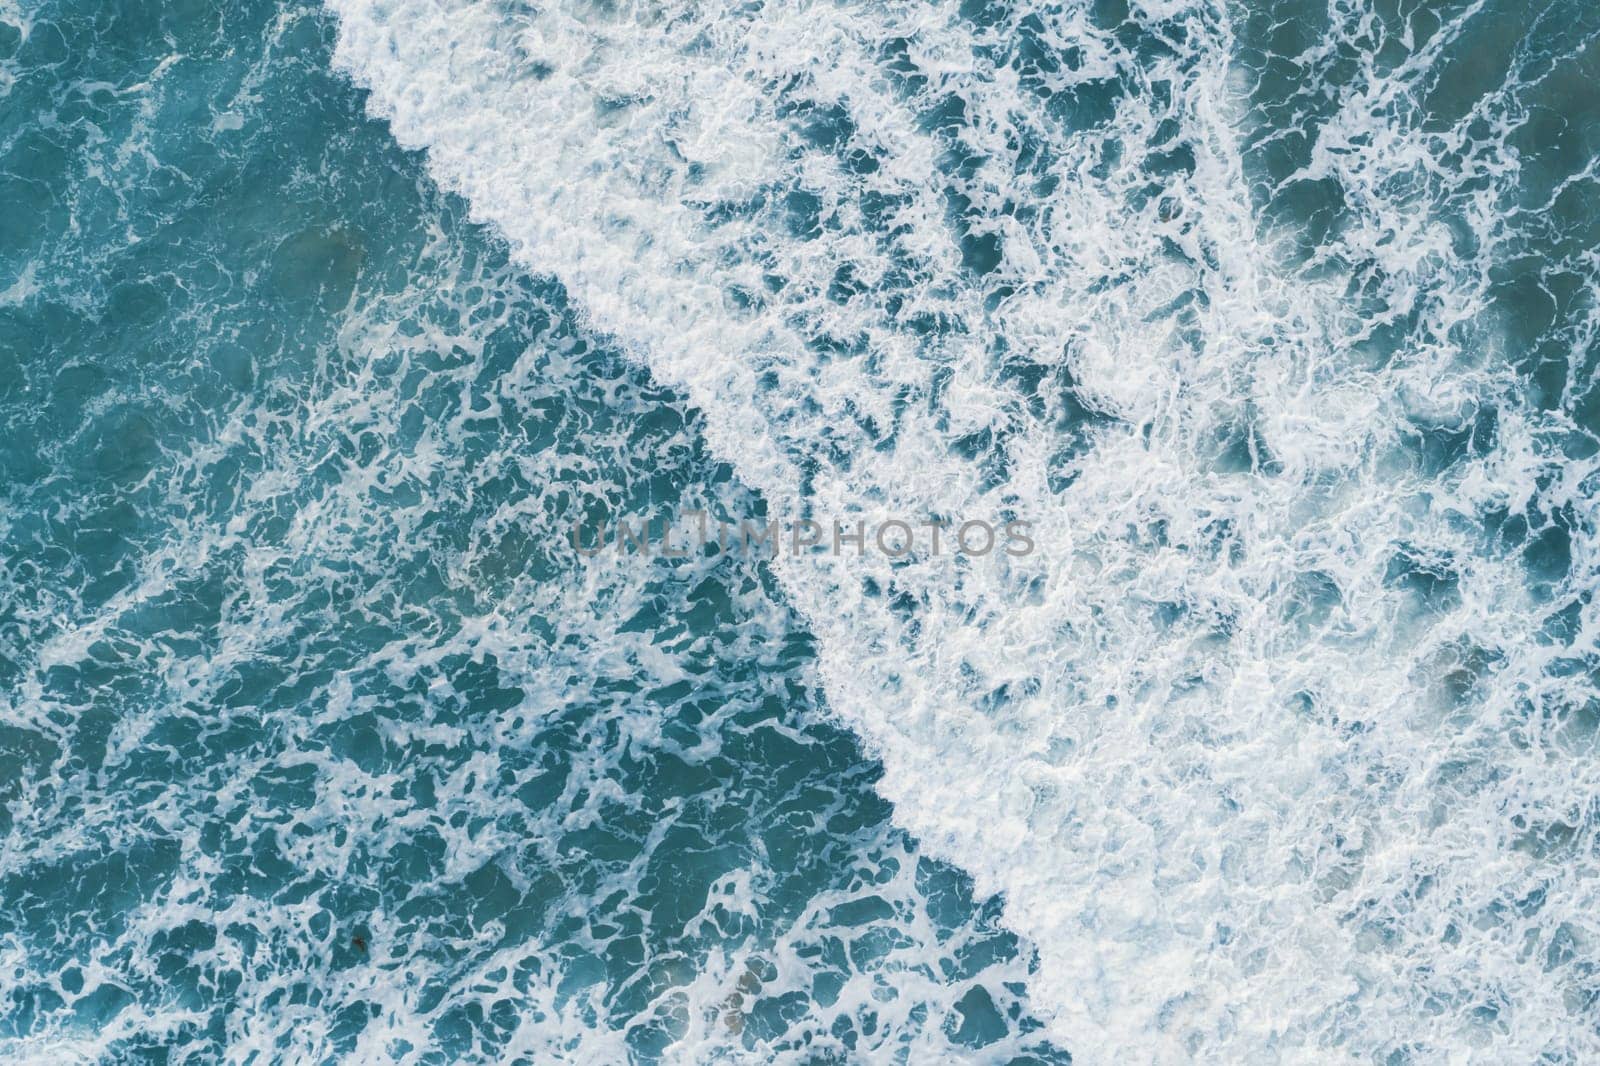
{"points": [[1277, 323]]}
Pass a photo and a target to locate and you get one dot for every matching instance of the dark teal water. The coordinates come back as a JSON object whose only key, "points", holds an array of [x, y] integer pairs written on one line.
{"points": [[319, 742]]}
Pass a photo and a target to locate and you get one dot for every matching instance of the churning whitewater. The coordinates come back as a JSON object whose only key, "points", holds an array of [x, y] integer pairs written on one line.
{"points": [[1273, 323], [1276, 320]]}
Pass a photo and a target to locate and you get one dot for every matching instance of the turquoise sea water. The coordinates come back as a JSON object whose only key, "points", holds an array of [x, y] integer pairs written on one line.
{"points": [[320, 327], [296, 651]]}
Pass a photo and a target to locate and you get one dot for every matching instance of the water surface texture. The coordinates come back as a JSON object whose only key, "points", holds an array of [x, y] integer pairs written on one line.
{"points": [[320, 326]]}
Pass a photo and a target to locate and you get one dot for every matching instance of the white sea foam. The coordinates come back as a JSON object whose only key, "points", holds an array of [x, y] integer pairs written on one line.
{"points": [[1263, 748]]}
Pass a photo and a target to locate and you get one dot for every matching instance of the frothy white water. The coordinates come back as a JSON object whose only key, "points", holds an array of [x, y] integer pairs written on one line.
{"points": [[1265, 747]]}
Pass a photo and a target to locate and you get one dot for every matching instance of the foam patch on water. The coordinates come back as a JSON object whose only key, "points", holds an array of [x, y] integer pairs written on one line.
{"points": [[1279, 748]]}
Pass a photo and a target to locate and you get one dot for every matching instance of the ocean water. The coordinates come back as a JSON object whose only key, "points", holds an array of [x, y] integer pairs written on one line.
{"points": [[322, 326]]}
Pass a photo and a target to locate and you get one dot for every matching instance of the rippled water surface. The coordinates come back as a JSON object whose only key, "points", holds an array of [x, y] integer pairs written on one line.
{"points": [[320, 326]]}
